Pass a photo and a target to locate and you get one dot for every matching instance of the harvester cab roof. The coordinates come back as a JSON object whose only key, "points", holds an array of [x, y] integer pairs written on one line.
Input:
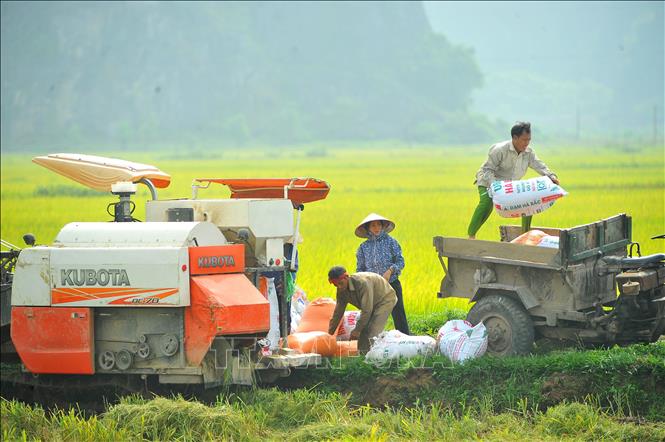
{"points": [[100, 173]]}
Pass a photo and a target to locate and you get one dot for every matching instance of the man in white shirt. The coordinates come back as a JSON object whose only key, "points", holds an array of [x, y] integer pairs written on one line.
{"points": [[506, 161]]}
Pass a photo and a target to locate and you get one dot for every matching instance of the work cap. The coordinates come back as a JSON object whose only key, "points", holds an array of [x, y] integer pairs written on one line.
{"points": [[361, 230]]}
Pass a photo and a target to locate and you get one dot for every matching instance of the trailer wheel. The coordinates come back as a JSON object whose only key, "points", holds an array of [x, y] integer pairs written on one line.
{"points": [[509, 327]]}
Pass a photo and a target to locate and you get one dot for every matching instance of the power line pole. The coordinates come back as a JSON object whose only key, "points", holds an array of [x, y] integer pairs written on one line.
{"points": [[577, 123], [655, 124]]}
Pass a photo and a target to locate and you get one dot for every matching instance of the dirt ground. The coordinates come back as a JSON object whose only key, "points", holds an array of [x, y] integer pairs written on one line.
{"points": [[387, 390], [560, 386]]}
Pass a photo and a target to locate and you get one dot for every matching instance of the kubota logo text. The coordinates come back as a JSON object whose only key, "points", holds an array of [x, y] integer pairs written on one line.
{"points": [[80, 277], [216, 261]]}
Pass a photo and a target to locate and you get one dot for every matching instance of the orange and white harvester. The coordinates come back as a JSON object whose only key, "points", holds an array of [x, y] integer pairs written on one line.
{"points": [[175, 298]]}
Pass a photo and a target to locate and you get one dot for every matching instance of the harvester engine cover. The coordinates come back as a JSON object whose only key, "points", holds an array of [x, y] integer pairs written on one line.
{"points": [[133, 298]]}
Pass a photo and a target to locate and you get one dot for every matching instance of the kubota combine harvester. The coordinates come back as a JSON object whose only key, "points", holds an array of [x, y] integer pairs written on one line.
{"points": [[175, 298]]}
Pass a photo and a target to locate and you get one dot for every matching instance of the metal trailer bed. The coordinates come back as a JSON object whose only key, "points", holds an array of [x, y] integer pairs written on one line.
{"points": [[557, 292]]}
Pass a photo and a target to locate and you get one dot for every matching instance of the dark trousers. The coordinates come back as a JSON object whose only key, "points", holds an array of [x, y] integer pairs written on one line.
{"points": [[399, 315]]}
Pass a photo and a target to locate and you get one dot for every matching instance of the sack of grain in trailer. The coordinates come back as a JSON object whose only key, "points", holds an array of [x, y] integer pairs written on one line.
{"points": [[550, 241], [459, 340], [537, 238], [513, 199], [347, 324], [530, 238], [394, 344]]}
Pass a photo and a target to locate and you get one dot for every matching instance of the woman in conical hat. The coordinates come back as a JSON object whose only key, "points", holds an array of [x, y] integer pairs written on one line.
{"points": [[381, 253]]}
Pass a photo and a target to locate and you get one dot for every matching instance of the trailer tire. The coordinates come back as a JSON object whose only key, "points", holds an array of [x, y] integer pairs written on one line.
{"points": [[509, 326]]}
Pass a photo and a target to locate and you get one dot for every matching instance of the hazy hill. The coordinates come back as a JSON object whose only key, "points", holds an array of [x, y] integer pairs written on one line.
{"points": [[86, 75], [546, 60]]}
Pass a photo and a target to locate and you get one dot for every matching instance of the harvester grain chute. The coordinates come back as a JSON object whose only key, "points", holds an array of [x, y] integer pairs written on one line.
{"points": [[174, 298]]}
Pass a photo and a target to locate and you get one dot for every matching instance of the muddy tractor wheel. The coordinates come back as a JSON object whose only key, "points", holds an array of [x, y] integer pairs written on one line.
{"points": [[509, 327]]}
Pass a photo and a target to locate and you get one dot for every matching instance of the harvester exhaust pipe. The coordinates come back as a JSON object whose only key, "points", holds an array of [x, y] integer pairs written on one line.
{"points": [[150, 186], [124, 208]]}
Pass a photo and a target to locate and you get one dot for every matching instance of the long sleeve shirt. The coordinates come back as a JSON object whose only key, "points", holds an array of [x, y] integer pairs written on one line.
{"points": [[365, 291], [378, 254], [504, 163]]}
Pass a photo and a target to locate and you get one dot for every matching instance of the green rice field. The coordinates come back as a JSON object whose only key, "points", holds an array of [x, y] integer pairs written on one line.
{"points": [[426, 191]]}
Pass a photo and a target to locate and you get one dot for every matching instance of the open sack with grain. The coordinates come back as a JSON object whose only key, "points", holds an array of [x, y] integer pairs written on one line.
{"points": [[311, 335]]}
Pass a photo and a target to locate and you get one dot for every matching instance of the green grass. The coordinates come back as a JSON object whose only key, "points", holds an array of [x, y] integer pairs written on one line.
{"points": [[311, 415], [427, 192], [429, 324], [629, 380], [613, 394]]}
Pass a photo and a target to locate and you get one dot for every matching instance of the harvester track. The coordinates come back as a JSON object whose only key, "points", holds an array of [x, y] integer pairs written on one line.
{"points": [[89, 394], [92, 394]]}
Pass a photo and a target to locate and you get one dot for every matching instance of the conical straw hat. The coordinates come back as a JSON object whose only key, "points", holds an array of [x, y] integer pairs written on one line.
{"points": [[361, 230]]}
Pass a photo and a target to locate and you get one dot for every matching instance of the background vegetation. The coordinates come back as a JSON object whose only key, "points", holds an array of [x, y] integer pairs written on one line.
{"points": [[576, 81], [145, 75], [90, 76]]}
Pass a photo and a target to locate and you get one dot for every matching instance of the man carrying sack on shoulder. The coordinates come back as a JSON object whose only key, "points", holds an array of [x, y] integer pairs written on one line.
{"points": [[369, 292], [506, 161]]}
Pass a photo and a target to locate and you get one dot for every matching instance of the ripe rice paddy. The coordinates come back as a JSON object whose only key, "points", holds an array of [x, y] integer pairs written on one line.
{"points": [[426, 191]]}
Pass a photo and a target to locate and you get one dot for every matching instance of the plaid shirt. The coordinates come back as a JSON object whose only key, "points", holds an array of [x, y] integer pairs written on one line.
{"points": [[505, 164], [380, 253]]}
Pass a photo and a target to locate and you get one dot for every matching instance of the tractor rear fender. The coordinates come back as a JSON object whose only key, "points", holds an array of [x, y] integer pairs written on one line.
{"points": [[521, 294]]}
